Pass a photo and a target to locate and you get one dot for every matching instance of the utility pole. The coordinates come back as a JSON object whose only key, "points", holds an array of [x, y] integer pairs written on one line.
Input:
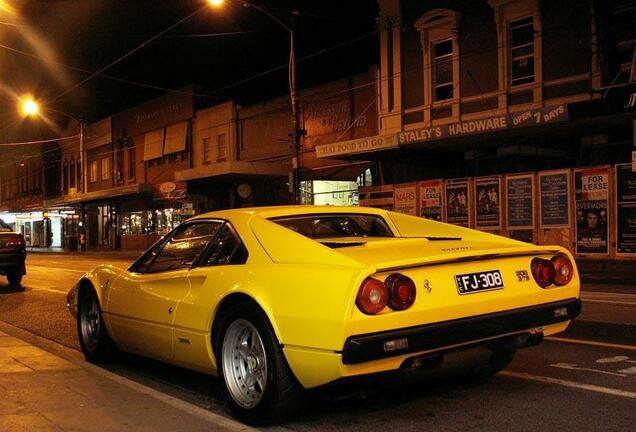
{"points": [[295, 113]]}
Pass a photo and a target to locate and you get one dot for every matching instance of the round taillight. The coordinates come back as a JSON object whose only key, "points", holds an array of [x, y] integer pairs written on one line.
{"points": [[372, 296], [543, 272], [401, 291], [564, 270]]}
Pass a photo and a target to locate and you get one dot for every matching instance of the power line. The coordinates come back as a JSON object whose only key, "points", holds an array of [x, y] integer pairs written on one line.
{"points": [[129, 53], [21, 143]]}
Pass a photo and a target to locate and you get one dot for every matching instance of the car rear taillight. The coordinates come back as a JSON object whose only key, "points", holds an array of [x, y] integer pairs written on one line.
{"points": [[372, 296], [543, 272], [564, 270], [401, 291], [15, 241]]}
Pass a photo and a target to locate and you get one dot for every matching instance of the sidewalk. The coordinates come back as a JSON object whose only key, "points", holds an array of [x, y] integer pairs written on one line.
{"points": [[608, 271], [42, 391]]}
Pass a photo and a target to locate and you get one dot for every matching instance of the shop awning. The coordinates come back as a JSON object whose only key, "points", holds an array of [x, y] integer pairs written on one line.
{"points": [[343, 171], [235, 170], [153, 144], [176, 138], [101, 194]]}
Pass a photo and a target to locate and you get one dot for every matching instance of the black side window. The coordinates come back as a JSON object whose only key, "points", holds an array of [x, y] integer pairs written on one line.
{"points": [[226, 248], [183, 247], [143, 262]]}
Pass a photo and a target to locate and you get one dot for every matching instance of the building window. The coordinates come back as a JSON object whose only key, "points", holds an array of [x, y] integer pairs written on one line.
{"points": [[65, 177], [93, 177], [105, 168], [439, 36], [442, 71], [221, 147], [131, 162], [72, 174], [207, 148], [522, 51]]}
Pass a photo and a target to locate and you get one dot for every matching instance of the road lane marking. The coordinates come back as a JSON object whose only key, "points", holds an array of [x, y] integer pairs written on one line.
{"points": [[592, 343], [571, 384], [615, 359], [571, 366], [609, 302], [56, 268], [629, 371]]}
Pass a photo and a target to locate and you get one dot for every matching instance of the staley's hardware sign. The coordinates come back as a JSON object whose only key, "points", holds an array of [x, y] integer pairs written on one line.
{"points": [[532, 117], [526, 118]]}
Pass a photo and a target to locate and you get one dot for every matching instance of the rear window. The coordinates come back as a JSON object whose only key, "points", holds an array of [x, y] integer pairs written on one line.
{"points": [[320, 226], [4, 227]]}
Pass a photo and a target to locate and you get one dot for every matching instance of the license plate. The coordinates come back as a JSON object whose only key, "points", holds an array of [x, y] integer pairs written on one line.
{"points": [[481, 281]]}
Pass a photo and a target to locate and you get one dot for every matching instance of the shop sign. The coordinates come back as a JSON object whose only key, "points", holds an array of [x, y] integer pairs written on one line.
{"points": [[532, 117], [405, 197], [520, 201], [554, 199], [487, 203], [431, 199], [457, 202], [625, 210], [362, 145], [169, 191], [592, 210]]}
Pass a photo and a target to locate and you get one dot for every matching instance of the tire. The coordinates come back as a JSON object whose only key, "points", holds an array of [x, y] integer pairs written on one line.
{"points": [[14, 276], [94, 339], [258, 384]]}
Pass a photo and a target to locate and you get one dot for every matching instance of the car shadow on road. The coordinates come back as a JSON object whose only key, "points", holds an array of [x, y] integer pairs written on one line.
{"points": [[329, 406], [11, 289]]}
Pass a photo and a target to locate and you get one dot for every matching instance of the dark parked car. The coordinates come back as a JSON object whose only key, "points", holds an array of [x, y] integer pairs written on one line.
{"points": [[12, 254]]}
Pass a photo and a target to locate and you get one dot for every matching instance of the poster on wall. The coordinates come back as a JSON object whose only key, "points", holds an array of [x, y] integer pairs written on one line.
{"points": [[625, 210], [554, 199], [406, 198], [520, 202], [431, 199], [592, 193], [457, 202], [488, 203]]}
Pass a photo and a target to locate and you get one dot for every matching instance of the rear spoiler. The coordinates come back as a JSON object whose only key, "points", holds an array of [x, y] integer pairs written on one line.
{"points": [[455, 258]]}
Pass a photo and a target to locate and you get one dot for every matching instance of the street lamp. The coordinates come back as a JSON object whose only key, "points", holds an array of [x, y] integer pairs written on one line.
{"points": [[29, 107], [292, 88]]}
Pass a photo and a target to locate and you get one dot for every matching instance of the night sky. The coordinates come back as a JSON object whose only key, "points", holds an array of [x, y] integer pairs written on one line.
{"points": [[89, 34]]}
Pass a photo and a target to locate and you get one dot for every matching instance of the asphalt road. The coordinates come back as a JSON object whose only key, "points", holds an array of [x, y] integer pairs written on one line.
{"points": [[584, 379]]}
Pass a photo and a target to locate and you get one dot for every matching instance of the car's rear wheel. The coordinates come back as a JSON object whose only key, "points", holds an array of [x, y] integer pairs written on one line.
{"points": [[14, 276], [94, 339], [258, 383]]}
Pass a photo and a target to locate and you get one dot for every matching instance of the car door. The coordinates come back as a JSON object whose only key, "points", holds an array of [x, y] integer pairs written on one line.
{"points": [[143, 303], [220, 269]]}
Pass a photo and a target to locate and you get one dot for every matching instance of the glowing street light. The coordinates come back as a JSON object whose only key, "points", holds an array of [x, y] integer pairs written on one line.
{"points": [[29, 107], [216, 3]]}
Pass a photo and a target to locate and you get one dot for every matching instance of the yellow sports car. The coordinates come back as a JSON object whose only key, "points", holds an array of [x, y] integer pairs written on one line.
{"points": [[275, 300]]}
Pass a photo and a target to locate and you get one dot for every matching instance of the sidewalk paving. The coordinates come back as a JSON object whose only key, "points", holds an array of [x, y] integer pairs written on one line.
{"points": [[41, 391]]}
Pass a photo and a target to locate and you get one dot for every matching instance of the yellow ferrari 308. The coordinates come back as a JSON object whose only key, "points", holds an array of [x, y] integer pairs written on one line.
{"points": [[276, 300]]}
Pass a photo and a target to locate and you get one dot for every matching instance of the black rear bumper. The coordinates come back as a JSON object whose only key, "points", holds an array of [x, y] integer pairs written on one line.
{"points": [[12, 259], [362, 348]]}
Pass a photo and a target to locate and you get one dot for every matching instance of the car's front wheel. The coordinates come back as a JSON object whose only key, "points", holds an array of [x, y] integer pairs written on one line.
{"points": [[94, 339], [258, 383], [14, 276]]}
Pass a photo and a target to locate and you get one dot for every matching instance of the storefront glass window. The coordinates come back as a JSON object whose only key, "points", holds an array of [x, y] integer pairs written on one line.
{"points": [[158, 222]]}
